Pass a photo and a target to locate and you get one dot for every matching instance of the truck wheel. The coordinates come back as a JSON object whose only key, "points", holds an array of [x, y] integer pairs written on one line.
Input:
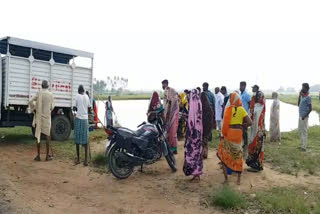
{"points": [[60, 128]]}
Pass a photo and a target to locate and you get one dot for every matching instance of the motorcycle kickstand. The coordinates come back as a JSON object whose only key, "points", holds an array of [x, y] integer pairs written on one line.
{"points": [[141, 169]]}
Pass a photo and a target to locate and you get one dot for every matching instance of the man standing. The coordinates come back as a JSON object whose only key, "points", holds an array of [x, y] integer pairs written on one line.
{"points": [[245, 99], [171, 113], [212, 102], [81, 129], [219, 108], [210, 95], [226, 97], [255, 90], [305, 107], [43, 104]]}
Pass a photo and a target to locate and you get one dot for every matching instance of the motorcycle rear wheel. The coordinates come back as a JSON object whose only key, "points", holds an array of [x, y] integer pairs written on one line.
{"points": [[171, 161], [118, 169]]}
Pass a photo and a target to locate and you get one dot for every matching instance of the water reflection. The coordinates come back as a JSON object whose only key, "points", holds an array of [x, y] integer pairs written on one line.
{"points": [[131, 113]]}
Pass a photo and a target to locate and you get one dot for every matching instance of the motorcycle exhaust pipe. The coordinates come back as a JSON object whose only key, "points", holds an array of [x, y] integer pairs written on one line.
{"points": [[137, 161]]}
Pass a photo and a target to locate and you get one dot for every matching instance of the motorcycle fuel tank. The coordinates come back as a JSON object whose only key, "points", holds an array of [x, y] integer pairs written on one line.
{"points": [[147, 131]]}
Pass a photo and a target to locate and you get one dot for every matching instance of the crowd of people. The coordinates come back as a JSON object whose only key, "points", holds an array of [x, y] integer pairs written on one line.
{"points": [[192, 115]]}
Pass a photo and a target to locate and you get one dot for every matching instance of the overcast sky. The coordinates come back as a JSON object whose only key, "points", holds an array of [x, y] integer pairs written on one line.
{"points": [[270, 43]]}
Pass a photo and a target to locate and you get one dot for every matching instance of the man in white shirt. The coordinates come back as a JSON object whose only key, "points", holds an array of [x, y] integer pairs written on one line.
{"points": [[81, 129], [219, 107]]}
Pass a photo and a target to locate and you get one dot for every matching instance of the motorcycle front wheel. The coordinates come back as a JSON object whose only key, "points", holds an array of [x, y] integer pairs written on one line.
{"points": [[119, 168], [171, 161]]}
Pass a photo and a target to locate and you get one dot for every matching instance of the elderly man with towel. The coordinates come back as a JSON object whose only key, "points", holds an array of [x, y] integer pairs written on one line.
{"points": [[42, 104]]}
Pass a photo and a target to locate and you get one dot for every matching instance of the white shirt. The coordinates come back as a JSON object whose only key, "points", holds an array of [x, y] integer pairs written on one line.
{"points": [[82, 104], [219, 104]]}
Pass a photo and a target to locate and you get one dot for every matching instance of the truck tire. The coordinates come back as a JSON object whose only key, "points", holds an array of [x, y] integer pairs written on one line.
{"points": [[60, 128]]}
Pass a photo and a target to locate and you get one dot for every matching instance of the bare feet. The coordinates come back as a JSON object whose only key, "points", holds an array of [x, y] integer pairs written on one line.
{"points": [[195, 179], [37, 158], [239, 179], [225, 182], [49, 158], [76, 162], [238, 182]]}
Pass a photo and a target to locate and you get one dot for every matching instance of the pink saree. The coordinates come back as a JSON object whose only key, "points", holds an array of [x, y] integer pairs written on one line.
{"points": [[193, 162], [171, 96]]}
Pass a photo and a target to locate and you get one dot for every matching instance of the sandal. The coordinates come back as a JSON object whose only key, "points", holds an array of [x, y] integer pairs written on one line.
{"points": [[252, 170], [37, 158]]}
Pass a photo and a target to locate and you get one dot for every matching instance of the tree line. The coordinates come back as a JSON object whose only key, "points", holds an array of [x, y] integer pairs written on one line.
{"points": [[111, 85]]}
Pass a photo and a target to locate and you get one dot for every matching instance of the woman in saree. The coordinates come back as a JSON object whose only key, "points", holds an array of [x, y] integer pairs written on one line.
{"points": [[207, 122], [171, 106], [193, 145], [183, 111], [257, 136], [230, 149], [155, 107], [109, 112], [275, 135]]}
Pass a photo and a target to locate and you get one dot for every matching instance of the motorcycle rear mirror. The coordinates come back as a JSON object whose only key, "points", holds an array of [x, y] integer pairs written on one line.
{"points": [[141, 124]]}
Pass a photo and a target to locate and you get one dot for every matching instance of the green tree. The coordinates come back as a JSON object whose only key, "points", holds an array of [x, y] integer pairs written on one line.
{"points": [[99, 86]]}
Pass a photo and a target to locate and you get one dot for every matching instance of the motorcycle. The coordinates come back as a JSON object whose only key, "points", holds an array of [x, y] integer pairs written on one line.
{"points": [[127, 149]]}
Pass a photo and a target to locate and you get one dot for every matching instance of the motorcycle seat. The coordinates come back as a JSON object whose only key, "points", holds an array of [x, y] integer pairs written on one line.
{"points": [[126, 131]]}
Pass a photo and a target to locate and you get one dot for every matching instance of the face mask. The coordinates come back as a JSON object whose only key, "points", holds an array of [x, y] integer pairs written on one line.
{"points": [[254, 93]]}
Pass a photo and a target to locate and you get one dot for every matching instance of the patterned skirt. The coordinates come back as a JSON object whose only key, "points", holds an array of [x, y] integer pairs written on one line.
{"points": [[81, 132], [230, 154]]}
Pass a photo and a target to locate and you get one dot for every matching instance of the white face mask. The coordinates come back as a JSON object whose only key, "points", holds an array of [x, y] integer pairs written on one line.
{"points": [[254, 93]]}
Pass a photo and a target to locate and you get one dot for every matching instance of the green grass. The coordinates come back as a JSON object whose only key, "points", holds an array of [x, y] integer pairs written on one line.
{"points": [[16, 135], [289, 200], [215, 140], [227, 198], [276, 200], [66, 149], [287, 158], [99, 159], [292, 99], [61, 149]]}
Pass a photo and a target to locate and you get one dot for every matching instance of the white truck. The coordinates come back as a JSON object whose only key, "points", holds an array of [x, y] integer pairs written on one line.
{"points": [[24, 65]]}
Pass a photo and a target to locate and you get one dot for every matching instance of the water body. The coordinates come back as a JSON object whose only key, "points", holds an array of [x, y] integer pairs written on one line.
{"points": [[131, 113]]}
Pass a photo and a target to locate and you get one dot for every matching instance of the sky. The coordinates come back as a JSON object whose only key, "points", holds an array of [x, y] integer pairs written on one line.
{"points": [[270, 43]]}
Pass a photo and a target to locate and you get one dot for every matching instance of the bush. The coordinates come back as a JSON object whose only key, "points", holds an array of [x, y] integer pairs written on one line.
{"points": [[228, 198], [99, 159]]}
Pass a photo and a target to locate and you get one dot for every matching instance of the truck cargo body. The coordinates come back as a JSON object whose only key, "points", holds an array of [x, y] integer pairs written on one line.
{"points": [[23, 68]]}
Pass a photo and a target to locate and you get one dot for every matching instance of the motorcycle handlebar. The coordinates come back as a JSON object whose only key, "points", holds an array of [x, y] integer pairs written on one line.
{"points": [[141, 124], [111, 128]]}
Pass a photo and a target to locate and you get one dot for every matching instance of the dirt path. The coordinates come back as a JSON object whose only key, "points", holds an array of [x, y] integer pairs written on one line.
{"points": [[59, 187]]}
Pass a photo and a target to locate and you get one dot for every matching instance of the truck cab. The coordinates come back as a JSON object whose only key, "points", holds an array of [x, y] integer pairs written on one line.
{"points": [[24, 65]]}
